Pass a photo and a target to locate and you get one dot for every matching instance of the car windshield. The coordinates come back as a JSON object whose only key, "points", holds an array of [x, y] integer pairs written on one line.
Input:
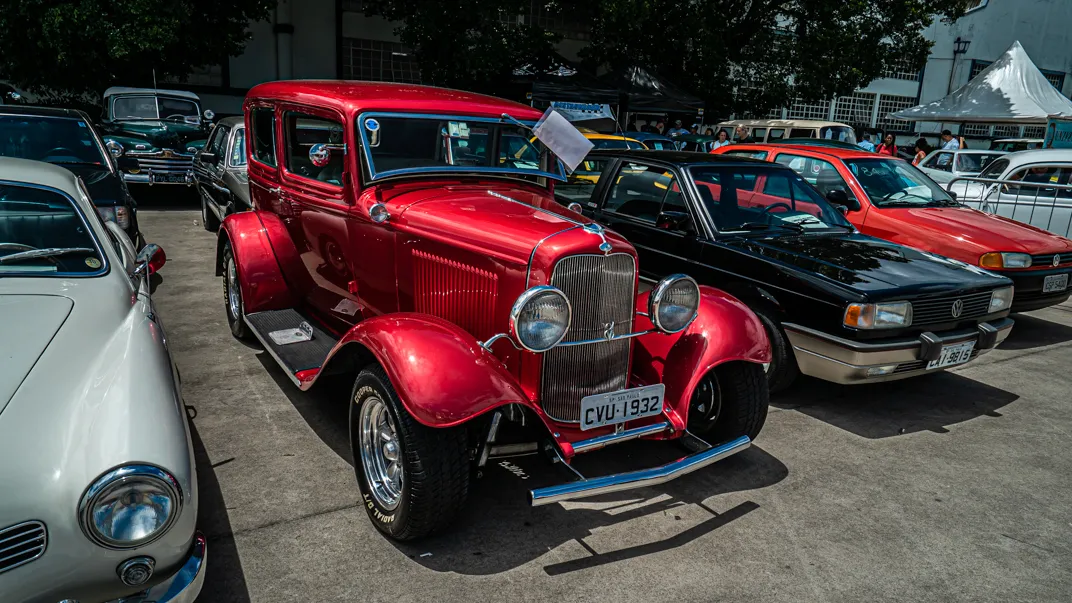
{"points": [[52, 139], [896, 183], [43, 232], [238, 150], [842, 133], [615, 143], [155, 107], [973, 163], [397, 144], [761, 199]]}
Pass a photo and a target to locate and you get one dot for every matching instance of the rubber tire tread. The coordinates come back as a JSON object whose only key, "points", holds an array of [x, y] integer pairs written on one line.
{"points": [[239, 328], [783, 369], [745, 398], [437, 466]]}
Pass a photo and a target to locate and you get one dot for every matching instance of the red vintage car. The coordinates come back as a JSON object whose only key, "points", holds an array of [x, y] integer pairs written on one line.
{"points": [[889, 198], [408, 237]]}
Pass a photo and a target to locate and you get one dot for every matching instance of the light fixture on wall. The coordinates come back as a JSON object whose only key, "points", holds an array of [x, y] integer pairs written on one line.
{"points": [[960, 46]]}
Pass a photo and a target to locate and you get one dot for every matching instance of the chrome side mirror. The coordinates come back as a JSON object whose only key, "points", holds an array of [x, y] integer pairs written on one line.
{"points": [[209, 114], [150, 259], [320, 154]]}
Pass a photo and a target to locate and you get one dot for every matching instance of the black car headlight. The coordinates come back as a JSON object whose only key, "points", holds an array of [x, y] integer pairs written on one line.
{"points": [[540, 318], [130, 506], [673, 303], [114, 148]]}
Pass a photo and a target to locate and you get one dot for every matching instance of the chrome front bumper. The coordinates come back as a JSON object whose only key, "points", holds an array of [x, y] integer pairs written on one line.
{"points": [[584, 487], [184, 585], [849, 362]]}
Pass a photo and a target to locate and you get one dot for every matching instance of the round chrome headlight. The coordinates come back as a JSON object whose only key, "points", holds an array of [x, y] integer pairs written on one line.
{"points": [[114, 148], [130, 506], [673, 303], [540, 318]]}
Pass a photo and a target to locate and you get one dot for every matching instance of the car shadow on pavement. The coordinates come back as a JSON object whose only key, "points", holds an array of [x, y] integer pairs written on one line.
{"points": [[224, 578], [1031, 332], [882, 410], [165, 197], [500, 531]]}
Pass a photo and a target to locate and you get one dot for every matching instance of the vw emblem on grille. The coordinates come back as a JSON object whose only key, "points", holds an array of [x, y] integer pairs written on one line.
{"points": [[958, 307], [1056, 259], [609, 330]]}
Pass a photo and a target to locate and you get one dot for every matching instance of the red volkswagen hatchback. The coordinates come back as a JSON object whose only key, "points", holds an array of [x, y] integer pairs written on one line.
{"points": [[891, 199]]}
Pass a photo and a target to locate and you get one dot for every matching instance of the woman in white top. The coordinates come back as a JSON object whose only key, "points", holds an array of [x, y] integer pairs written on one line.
{"points": [[723, 140]]}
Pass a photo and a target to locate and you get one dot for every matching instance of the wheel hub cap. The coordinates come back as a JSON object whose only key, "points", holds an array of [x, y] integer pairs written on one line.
{"points": [[234, 298], [381, 457]]}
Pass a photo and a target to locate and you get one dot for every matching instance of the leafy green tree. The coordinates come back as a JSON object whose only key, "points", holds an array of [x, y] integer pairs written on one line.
{"points": [[753, 56], [66, 50]]}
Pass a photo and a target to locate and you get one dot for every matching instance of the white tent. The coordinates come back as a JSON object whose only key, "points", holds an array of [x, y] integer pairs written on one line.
{"points": [[1010, 91]]}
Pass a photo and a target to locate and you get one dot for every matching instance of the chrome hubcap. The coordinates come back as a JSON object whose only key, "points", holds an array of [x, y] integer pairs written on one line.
{"points": [[381, 453], [234, 298]]}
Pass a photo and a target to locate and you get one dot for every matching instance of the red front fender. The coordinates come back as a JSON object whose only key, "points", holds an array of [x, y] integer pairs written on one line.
{"points": [[438, 370], [261, 280], [725, 330]]}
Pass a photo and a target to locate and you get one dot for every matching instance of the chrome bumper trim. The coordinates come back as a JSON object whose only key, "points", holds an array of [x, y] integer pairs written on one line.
{"points": [[614, 438], [637, 479], [184, 585]]}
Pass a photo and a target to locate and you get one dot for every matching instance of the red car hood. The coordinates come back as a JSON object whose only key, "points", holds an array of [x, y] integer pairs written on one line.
{"points": [[963, 233]]}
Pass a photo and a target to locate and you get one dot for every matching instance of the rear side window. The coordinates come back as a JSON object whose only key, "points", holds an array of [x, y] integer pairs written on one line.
{"points": [[640, 190], [760, 134], [303, 132], [802, 133], [263, 123], [776, 134], [582, 182], [995, 169]]}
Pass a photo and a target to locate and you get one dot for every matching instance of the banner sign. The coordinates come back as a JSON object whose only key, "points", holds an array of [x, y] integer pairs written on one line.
{"points": [[1058, 133], [582, 111]]}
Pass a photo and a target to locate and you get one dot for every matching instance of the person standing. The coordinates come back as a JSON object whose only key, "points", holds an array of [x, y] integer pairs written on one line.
{"points": [[742, 134], [723, 140], [887, 147], [660, 126], [677, 130], [866, 144], [709, 131], [948, 142], [922, 150]]}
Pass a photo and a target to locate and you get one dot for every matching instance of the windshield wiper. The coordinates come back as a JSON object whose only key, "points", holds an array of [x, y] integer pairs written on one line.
{"points": [[756, 226], [47, 252]]}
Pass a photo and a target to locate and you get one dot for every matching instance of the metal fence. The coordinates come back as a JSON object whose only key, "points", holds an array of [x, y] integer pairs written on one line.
{"points": [[1044, 205]]}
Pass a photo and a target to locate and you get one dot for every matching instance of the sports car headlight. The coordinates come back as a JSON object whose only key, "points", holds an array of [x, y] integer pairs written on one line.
{"points": [[130, 506], [114, 148], [878, 316], [997, 259], [540, 318], [1001, 299], [673, 303]]}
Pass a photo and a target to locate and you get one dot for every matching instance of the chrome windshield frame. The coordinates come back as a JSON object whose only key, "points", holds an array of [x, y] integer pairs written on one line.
{"points": [[445, 169]]}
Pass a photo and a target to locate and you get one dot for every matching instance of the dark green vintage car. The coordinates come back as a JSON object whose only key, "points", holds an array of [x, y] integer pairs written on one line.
{"points": [[162, 129]]}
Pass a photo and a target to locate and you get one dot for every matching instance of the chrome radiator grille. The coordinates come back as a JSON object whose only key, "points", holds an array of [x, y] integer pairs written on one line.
{"points": [[21, 544], [166, 163], [939, 310], [601, 291]]}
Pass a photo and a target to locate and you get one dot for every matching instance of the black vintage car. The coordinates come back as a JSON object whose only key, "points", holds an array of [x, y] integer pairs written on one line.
{"points": [[67, 138], [837, 305], [220, 173]]}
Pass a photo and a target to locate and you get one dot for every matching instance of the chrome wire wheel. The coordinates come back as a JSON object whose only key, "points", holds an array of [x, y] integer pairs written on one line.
{"points": [[234, 296], [381, 453]]}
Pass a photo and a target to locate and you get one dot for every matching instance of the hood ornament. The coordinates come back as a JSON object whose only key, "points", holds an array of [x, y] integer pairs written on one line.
{"points": [[598, 230]]}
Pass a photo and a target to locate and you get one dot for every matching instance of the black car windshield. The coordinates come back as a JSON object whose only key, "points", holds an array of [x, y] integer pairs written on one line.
{"points": [[52, 139], [42, 232], [397, 144], [753, 199], [896, 183], [155, 107]]}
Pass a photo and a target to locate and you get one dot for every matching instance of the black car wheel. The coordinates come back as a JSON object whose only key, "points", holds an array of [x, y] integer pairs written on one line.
{"points": [[729, 402], [783, 370], [414, 479]]}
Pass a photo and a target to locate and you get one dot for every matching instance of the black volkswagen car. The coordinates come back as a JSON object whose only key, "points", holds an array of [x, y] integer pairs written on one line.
{"points": [[67, 138], [837, 305]]}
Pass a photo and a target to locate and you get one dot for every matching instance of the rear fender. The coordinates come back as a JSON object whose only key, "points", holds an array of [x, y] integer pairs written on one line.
{"points": [[440, 372], [260, 278], [724, 330]]}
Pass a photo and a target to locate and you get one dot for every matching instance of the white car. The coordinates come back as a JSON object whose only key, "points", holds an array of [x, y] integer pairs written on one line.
{"points": [[98, 485], [942, 165], [1032, 187]]}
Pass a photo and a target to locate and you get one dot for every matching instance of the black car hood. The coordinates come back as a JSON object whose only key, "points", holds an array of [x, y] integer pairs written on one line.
{"points": [[104, 187], [868, 265]]}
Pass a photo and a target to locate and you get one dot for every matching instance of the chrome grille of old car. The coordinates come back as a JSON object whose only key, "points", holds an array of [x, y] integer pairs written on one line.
{"points": [[165, 162], [601, 290], [21, 544], [940, 309]]}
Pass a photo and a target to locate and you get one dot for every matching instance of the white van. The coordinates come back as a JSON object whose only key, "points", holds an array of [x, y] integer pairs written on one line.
{"points": [[773, 130]]}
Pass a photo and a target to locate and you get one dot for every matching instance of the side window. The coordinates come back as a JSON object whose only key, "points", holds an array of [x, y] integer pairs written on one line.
{"points": [[582, 182], [995, 169], [759, 134], [827, 178], [1035, 177], [942, 161], [802, 133], [263, 122], [215, 146], [776, 134], [303, 131], [238, 148], [639, 191]]}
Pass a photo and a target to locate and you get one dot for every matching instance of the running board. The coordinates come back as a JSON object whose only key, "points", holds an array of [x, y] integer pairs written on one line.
{"points": [[583, 487], [300, 359]]}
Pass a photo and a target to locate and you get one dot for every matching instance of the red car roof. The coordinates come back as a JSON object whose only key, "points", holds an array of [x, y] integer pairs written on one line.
{"points": [[356, 97], [829, 151]]}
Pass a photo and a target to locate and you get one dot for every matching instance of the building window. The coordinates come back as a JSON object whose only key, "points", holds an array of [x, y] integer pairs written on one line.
{"points": [[900, 71], [1034, 132], [378, 61], [856, 109], [977, 68], [1056, 78], [1006, 131], [549, 19], [889, 103], [818, 110], [975, 130]]}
